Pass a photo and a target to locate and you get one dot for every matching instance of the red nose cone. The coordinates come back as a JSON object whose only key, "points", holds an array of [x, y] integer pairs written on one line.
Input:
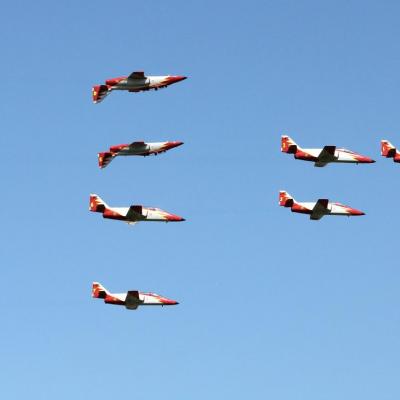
{"points": [[356, 212], [169, 302], [171, 145], [175, 79], [365, 160], [175, 218]]}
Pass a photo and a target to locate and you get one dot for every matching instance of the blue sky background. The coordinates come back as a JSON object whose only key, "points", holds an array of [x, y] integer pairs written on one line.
{"points": [[272, 305]]}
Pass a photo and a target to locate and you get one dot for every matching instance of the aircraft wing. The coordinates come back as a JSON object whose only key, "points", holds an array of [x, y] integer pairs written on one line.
{"points": [[138, 145], [137, 75], [320, 209], [327, 155], [135, 213], [132, 300]]}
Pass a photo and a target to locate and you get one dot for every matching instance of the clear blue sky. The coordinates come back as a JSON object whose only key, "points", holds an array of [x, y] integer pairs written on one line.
{"points": [[272, 305]]}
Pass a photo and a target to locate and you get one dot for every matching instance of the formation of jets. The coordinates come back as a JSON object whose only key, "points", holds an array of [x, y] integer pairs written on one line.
{"points": [[131, 299], [138, 82], [135, 149], [321, 157], [135, 82]]}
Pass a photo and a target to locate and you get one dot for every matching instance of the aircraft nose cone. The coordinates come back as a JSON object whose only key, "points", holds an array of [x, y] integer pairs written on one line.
{"points": [[357, 212], [171, 145], [366, 160], [175, 218], [174, 79], [169, 302]]}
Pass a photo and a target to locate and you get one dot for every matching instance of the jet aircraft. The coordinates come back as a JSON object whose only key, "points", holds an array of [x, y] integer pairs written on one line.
{"points": [[132, 214], [389, 151], [131, 299], [135, 82], [318, 209], [135, 149], [324, 156]]}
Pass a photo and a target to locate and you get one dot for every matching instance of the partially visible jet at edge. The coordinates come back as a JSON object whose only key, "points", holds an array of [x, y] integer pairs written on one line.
{"points": [[389, 151], [318, 209], [132, 214], [321, 157], [135, 149], [131, 299], [135, 82]]}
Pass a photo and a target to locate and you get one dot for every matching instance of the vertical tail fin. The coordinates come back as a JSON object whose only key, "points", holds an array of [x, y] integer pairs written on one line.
{"points": [[387, 149], [104, 159], [288, 145], [97, 204], [99, 291], [285, 199], [99, 92]]}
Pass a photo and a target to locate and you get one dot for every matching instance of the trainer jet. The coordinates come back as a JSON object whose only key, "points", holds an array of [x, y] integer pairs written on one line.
{"points": [[389, 151], [316, 210], [135, 82], [132, 214], [135, 149], [324, 156], [131, 299]]}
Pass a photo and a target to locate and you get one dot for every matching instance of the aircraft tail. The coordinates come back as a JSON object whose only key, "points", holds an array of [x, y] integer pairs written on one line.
{"points": [[288, 145], [285, 199], [99, 92], [97, 204], [99, 291], [104, 159], [387, 149]]}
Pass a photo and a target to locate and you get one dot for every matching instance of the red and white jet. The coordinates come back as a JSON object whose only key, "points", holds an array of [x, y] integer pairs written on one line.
{"points": [[389, 151], [318, 209], [131, 299], [135, 82], [135, 149], [132, 214], [324, 156]]}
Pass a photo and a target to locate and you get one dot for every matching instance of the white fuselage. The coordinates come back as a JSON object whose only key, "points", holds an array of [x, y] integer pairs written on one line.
{"points": [[332, 209], [149, 214], [136, 84], [144, 298], [341, 155], [149, 148]]}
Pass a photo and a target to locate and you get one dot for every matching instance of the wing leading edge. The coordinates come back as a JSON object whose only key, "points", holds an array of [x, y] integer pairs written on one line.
{"points": [[326, 156], [320, 209]]}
